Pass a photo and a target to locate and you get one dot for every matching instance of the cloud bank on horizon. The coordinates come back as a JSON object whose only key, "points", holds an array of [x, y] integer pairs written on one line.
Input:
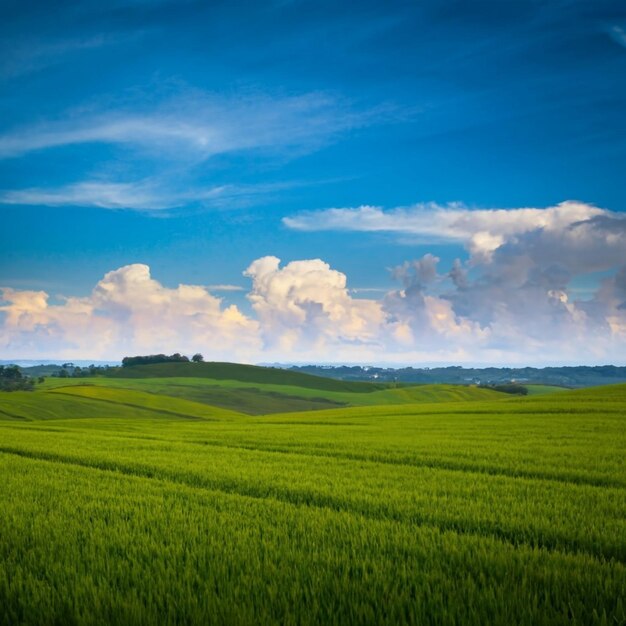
{"points": [[512, 300]]}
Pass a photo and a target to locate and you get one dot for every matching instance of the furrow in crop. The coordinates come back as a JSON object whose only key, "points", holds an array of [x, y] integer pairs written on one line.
{"points": [[454, 466], [321, 501]]}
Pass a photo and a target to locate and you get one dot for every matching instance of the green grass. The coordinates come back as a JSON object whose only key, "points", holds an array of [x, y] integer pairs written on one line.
{"points": [[80, 401], [121, 505], [256, 398], [542, 390], [250, 398], [243, 373]]}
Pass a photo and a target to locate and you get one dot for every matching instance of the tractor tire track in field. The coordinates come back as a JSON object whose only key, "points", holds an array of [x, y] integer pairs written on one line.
{"points": [[453, 466], [304, 498], [319, 453], [465, 468]]}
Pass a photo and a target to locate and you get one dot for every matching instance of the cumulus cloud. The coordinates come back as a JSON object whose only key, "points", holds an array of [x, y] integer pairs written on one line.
{"points": [[420, 320], [127, 311], [306, 305], [458, 275], [303, 310], [513, 296], [415, 275], [513, 306]]}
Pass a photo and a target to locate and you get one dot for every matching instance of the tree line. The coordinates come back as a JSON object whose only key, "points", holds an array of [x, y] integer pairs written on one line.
{"points": [[515, 388], [11, 379], [69, 370], [151, 359]]}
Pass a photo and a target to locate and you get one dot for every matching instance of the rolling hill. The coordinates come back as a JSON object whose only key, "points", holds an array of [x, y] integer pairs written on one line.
{"points": [[242, 373], [93, 401], [259, 390]]}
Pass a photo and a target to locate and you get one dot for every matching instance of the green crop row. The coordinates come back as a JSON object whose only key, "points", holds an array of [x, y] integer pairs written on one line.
{"points": [[82, 546]]}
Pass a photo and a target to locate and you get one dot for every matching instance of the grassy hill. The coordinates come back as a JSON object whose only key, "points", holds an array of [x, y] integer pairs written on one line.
{"points": [[542, 390], [81, 401], [121, 505], [224, 389], [242, 373], [260, 391], [253, 399]]}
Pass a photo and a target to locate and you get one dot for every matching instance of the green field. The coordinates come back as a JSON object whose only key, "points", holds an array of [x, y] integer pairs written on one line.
{"points": [[136, 501], [542, 390]]}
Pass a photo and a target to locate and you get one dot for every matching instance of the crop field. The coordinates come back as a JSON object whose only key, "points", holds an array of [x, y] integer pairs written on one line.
{"points": [[121, 503], [542, 390], [262, 399]]}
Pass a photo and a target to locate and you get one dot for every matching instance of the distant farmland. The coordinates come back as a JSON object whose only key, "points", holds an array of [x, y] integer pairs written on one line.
{"points": [[186, 495]]}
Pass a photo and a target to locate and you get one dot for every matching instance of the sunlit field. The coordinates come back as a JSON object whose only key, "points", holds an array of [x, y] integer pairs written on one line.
{"points": [[120, 504]]}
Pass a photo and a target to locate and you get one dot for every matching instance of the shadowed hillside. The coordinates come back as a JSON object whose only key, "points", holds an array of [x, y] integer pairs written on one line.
{"points": [[243, 373]]}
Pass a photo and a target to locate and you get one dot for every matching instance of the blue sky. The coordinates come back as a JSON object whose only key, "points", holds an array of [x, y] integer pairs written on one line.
{"points": [[198, 137]]}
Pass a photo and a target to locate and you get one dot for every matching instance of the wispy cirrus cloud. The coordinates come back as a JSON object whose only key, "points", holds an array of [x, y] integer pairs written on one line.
{"points": [[200, 125], [221, 287], [369, 290], [23, 57], [171, 134], [146, 195], [91, 194], [618, 34]]}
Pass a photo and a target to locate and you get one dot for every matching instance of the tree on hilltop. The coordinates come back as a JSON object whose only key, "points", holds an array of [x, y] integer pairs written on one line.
{"points": [[151, 359]]}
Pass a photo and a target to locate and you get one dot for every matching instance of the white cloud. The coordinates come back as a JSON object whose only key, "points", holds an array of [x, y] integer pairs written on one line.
{"points": [[198, 125], [306, 305], [146, 195], [179, 133], [223, 287], [127, 312], [516, 307], [482, 230], [93, 193], [618, 35], [517, 300], [20, 57], [369, 290], [422, 320]]}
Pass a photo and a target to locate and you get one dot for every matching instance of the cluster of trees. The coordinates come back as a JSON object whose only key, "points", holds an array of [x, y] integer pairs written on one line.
{"points": [[514, 388], [11, 379], [69, 370], [567, 376], [151, 359]]}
